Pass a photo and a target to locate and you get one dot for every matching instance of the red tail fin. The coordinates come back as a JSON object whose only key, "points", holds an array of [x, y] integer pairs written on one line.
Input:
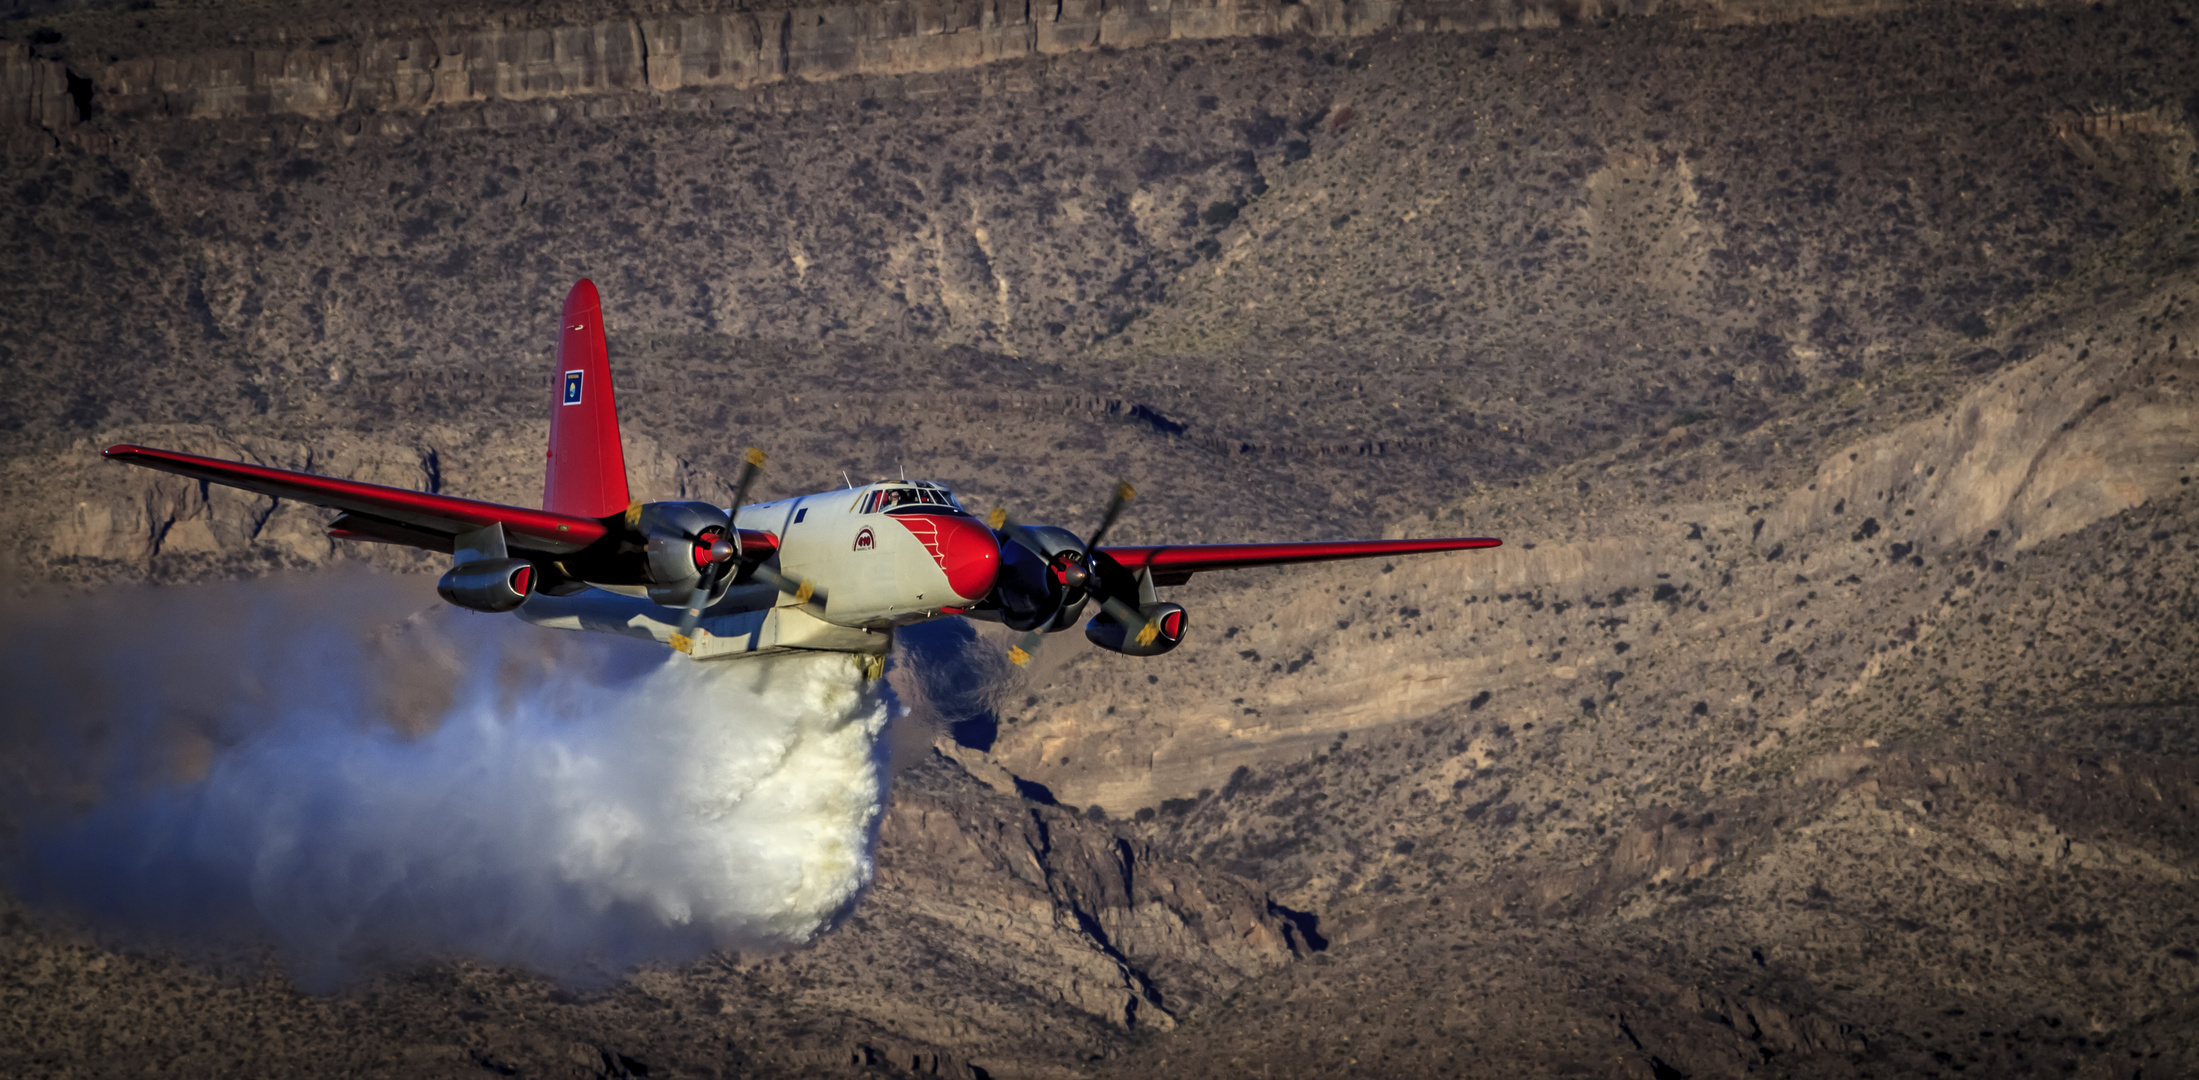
{"points": [[587, 469]]}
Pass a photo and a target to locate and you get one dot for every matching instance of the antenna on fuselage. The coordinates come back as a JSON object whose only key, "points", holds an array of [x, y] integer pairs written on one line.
{"points": [[844, 479]]}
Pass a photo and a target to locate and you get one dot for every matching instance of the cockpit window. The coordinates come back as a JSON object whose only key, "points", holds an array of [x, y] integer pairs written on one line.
{"points": [[897, 497]]}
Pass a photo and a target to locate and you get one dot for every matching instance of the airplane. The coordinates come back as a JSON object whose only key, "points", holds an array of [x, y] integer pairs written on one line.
{"points": [[834, 571]]}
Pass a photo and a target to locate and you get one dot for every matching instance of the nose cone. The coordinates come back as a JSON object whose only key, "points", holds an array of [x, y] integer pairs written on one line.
{"points": [[963, 547], [970, 554]]}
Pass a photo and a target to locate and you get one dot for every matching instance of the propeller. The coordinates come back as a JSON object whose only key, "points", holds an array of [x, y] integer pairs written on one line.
{"points": [[715, 552], [722, 551], [1081, 576]]}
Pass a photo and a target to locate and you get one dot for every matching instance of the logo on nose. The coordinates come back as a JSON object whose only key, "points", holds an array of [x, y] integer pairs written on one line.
{"points": [[962, 546]]}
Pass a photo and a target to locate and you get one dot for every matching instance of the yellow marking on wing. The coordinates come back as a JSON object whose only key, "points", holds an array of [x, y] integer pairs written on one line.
{"points": [[681, 643], [998, 517], [754, 457], [633, 514], [1152, 630], [1017, 656], [806, 591]]}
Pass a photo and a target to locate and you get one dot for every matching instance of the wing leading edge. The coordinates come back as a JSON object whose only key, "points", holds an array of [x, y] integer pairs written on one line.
{"points": [[376, 512], [1172, 564]]}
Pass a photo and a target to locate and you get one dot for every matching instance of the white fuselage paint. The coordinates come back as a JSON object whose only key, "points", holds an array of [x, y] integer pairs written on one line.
{"points": [[872, 572]]}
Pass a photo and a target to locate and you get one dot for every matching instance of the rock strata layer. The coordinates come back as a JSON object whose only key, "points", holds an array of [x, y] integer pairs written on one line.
{"points": [[322, 71]]}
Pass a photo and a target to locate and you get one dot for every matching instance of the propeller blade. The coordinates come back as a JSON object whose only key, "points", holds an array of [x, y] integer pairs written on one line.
{"points": [[1025, 649], [1141, 628], [1123, 494], [684, 639], [1001, 522], [755, 464], [804, 591]]}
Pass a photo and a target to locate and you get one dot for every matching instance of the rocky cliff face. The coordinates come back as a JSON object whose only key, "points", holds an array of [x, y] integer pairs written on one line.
{"points": [[1222, 273], [1881, 910], [328, 65], [2098, 424]]}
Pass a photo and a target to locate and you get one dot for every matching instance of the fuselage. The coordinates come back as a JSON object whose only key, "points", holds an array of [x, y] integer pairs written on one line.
{"points": [[883, 554], [868, 559]]}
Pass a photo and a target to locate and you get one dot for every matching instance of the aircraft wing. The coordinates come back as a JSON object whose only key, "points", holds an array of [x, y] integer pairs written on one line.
{"points": [[1173, 564], [376, 512]]}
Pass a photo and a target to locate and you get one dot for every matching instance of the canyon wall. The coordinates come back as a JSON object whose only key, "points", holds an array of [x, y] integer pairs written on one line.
{"points": [[322, 71], [2094, 426]]}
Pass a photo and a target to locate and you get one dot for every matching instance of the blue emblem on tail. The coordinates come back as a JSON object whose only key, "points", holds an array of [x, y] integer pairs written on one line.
{"points": [[572, 388]]}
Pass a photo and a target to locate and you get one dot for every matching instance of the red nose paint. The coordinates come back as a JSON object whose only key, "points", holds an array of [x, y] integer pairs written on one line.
{"points": [[962, 546], [1172, 625]]}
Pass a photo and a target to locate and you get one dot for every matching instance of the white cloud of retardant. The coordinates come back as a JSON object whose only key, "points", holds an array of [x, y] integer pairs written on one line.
{"points": [[296, 763]]}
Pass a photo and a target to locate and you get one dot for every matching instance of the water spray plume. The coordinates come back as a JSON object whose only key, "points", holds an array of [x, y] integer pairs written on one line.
{"points": [[300, 764]]}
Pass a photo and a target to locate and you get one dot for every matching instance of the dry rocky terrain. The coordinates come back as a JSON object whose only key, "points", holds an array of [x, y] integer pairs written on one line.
{"points": [[1827, 369]]}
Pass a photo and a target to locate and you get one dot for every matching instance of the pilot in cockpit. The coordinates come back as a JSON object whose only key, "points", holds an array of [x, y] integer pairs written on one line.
{"points": [[928, 496]]}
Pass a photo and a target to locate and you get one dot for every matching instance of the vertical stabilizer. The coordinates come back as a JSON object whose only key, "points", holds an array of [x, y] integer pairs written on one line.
{"points": [[586, 476]]}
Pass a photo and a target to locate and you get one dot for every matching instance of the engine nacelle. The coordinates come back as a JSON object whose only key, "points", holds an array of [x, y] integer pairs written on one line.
{"points": [[491, 585], [674, 563], [1030, 593], [1168, 621]]}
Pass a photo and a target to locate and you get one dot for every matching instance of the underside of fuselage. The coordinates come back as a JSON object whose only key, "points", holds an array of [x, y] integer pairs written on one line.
{"points": [[746, 621]]}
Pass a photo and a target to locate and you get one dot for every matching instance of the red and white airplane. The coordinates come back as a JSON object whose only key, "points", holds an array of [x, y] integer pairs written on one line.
{"points": [[835, 571]]}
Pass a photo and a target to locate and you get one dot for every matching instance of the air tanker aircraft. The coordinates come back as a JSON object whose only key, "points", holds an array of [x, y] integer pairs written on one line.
{"points": [[835, 571]]}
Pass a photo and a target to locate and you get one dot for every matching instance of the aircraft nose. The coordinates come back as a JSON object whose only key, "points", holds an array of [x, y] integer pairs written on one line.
{"points": [[970, 554]]}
